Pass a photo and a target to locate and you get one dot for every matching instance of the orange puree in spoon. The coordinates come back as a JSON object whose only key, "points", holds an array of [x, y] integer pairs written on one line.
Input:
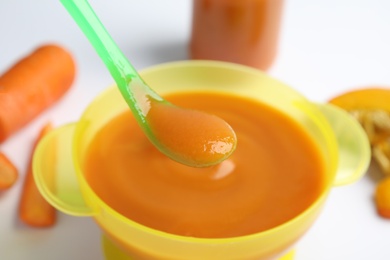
{"points": [[194, 137]]}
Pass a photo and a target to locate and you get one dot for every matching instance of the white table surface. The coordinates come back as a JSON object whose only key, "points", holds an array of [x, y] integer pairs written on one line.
{"points": [[326, 47]]}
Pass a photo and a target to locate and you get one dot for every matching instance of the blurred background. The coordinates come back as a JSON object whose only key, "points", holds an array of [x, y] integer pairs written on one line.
{"points": [[325, 48]]}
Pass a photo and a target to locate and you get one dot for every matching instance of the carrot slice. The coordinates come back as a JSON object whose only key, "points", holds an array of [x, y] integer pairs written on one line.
{"points": [[33, 84], [8, 172], [34, 210]]}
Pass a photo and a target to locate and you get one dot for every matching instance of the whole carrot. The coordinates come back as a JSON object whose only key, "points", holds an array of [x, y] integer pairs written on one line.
{"points": [[34, 210], [33, 84], [8, 172]]}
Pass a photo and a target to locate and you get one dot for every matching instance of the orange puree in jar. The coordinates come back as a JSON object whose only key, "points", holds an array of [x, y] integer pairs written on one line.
{"points": [[240, 31], [275, 173]]}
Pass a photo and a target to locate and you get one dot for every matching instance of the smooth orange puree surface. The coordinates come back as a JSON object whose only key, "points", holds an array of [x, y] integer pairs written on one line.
{"points": [[274, 174]]}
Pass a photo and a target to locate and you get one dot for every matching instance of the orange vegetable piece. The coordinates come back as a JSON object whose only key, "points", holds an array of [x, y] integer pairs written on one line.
{"points": [[365, 98], [34, 210], [382, 197], [371, 107], [8, 172], [33, 84]]}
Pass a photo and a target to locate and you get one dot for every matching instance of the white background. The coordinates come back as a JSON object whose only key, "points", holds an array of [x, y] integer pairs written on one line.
{"points": [[326, 47]]}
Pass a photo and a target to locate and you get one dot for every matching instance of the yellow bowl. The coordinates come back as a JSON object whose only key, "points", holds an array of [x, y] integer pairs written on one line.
{"points": [[58, 160]]}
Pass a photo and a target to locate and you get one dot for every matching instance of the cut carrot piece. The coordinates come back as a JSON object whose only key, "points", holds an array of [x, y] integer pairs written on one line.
{"points": [[34, 210], [33, 84], [382, 197], [8, 172]]}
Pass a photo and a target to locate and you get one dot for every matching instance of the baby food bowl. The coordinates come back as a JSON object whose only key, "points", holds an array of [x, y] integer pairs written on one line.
{"points": [[341, 140]]}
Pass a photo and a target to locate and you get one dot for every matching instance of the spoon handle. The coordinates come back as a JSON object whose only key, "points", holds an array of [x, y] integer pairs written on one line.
{"points": [[118, 65]]}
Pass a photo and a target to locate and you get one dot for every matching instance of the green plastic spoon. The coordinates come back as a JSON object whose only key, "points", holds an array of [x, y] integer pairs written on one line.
{"points": [[207, 146]]}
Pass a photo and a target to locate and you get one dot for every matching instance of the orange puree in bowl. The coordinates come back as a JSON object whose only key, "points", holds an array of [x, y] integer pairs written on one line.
{"points": [[275, 173]]}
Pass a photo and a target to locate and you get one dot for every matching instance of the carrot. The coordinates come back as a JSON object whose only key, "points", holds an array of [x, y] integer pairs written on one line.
{"points": [[382, 197], [34, 210], [8, 172], [33, 84]]}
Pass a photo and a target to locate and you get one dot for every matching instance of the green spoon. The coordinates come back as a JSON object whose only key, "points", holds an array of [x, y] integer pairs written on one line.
{"points": [[202, 147]]}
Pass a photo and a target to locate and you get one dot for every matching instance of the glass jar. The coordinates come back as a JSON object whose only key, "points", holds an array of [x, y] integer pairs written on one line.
{"points": [[239, 31]]}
